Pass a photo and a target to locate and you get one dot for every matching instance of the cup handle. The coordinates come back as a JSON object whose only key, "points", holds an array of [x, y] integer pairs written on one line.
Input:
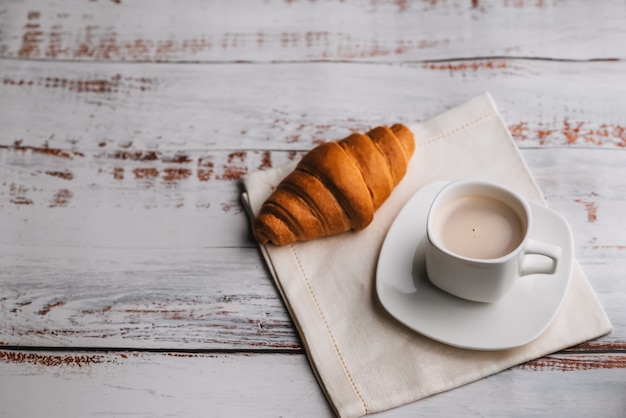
{"points": [[533, 266]]}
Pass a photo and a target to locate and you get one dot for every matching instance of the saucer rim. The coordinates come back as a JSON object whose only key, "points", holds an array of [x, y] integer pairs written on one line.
{"points": [[431, 190]]}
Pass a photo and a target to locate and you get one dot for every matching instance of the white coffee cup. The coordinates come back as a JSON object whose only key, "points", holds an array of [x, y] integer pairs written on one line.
{"points": [[478, 241]]}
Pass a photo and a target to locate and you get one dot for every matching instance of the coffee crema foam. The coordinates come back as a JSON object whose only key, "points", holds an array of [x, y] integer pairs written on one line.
{"points": [[478, 227]]}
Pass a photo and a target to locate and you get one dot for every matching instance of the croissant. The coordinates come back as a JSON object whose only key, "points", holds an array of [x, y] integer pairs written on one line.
{"points": [[337, 186]]}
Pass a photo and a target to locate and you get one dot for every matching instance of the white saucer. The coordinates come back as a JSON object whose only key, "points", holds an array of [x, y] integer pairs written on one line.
{"points": [[517, 319]]}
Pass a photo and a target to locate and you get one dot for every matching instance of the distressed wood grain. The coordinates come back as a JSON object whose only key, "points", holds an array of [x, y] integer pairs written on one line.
{"points": [[127, 199], [101, 202], [587, 188], [185, 309], [270, 31], [139, 263], [125, 109], [193, 384], [121, 298], [203, 299]]}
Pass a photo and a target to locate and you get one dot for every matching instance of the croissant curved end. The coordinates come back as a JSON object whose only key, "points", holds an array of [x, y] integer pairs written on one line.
{"points": [[268, 228], [260, 235]]}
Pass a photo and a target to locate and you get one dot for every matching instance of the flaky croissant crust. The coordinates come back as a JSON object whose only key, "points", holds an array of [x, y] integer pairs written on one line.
{"points": [[337, 186]]}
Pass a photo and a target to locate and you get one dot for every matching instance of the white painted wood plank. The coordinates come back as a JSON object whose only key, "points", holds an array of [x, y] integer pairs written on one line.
{"points": [[191, 299], [107, 201], [587, 187], [123, 264], [352, 30], [81, 202], [167, 384], [150, 278], [113, 108]]}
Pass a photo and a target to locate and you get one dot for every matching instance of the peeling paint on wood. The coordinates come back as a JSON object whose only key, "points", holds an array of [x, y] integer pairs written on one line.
{"points": [[114, 84], [98, 43], [134, 155], [31, 37], [179, 104], [146, 173], [145, 165], [50, 360], [570, 133], [176, 174], [65, 174], [428, 31], [591, 208], [574, 363], [205, 168], [266, 161], [17, 194], [61, 198], [42, 150], [118, 173], [46, 309], [468, 66], [598, 346], [608, 247]]}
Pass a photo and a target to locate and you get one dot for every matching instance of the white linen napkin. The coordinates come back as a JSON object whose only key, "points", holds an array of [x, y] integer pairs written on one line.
{"points": [[364, 359]]}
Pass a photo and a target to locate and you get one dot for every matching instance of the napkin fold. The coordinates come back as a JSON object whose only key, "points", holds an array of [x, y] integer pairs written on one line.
{"points": [[365, 360]]}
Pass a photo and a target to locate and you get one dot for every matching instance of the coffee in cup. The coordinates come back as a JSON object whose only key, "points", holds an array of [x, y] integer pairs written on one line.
{"points": [[478, 241], [478, 227]]}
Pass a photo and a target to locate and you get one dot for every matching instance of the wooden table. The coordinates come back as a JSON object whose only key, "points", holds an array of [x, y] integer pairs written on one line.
{"points": [[129, 282]]}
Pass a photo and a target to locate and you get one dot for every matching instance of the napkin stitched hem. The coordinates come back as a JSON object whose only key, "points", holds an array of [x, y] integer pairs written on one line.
{"points": [[459, 128], [328, 330]]}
